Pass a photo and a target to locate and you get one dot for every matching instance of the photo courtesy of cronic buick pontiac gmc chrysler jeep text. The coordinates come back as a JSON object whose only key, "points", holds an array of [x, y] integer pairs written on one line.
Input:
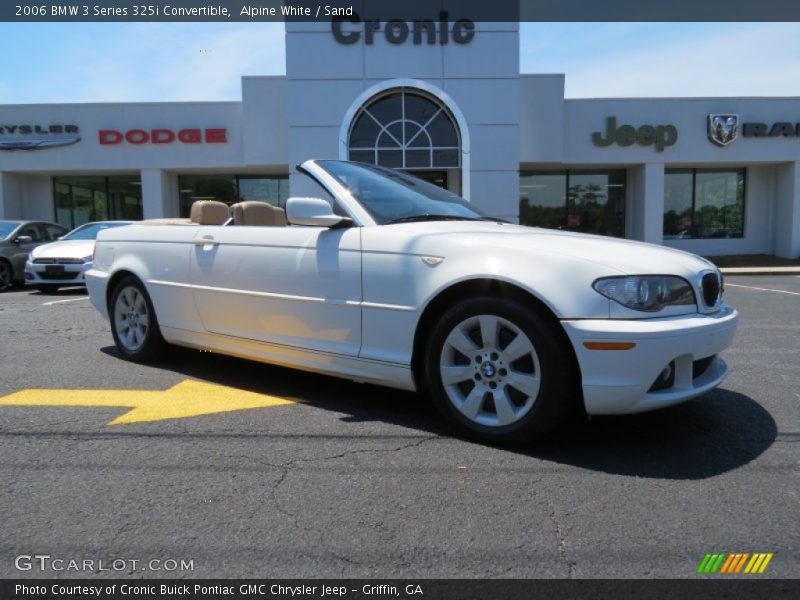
{"points": [[394, 281]]}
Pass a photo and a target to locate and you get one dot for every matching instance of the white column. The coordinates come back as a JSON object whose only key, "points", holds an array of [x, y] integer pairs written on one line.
{"points": [[159, 197], [646, 195], [787, 211], [10, 196]]}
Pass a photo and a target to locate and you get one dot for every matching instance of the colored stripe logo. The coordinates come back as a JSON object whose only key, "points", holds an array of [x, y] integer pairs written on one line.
{"points": [[734, 563]]}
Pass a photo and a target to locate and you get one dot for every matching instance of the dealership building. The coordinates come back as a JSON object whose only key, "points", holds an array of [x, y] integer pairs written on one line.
{"points": [[712, 176]]}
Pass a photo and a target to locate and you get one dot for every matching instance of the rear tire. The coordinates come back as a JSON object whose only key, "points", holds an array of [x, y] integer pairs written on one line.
{"points": [[6, 275], [498, 371], [133, 322]]}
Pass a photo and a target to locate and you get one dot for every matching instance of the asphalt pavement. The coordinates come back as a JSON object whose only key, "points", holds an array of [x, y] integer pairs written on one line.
{"points": [[337, 479]]}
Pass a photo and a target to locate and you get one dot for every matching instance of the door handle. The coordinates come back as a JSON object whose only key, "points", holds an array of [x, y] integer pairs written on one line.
{"points": [[206, 240]]}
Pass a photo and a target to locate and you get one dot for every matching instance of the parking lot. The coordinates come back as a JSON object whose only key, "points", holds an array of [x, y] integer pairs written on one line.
{"points": [[319, 477]]}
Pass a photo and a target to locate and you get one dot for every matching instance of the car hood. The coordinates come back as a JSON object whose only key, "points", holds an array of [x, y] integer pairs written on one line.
{"points": [[619, 255], [65, 249]]}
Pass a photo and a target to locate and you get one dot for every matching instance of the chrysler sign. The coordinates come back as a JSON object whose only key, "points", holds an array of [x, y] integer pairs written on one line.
{"points": [[37, 137]]}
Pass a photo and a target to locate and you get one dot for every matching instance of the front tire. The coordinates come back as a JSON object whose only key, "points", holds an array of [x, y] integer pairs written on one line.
{"points": [[498, 371], [133, 322]]}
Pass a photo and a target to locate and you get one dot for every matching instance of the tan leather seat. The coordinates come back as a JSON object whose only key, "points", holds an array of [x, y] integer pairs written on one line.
{"points": [[258, 213], [209, 212]]}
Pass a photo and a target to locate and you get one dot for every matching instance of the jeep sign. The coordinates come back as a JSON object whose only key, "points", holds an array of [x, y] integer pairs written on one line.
{"points": [[660, 136]]}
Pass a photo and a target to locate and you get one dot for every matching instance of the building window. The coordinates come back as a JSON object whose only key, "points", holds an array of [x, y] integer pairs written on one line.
{"points": [[405, 129], [703, 203], [586, 201], [231, 189], [80, 199]]}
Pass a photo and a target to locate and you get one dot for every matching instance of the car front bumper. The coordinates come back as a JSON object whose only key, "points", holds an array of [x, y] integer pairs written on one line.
{"points": [[625, 381], [96, 285], [56, 274]]}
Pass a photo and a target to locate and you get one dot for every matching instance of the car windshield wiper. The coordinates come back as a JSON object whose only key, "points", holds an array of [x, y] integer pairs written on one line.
{"points": [[413, 218]]}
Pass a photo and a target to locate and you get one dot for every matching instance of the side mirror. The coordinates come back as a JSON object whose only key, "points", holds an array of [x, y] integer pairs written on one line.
{"points": [[23, 239], [315, 212]]}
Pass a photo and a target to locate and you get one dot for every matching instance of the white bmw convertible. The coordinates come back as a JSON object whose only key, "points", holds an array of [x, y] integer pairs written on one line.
{"points": [[390, 280]]}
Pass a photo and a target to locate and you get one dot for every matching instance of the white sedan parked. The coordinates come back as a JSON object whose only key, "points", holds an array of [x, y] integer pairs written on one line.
{"points": [[64, 262], [393, 281]]}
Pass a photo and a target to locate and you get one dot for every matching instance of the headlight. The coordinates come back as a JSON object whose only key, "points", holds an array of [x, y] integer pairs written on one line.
{"points": [[87, 258], [648, 293]]}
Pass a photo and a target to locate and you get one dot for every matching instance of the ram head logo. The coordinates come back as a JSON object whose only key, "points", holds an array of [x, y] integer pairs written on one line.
{"points": [[723, 129]]}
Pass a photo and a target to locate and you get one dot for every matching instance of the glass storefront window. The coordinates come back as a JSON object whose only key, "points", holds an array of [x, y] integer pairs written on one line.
{"points": [[205, 187], [586, 201], [543, 200], [678, 186], [82, 199], [703, 203], [272, 190], [231, 189]]}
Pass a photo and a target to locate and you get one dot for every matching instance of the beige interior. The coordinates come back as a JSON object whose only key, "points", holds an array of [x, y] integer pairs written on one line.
{"points": [[258, 213], [209, 212]]}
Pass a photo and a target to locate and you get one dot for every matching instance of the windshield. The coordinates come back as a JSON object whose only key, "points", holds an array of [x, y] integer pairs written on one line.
{"points": [[6, 227], [90, 230], [393, 196]]}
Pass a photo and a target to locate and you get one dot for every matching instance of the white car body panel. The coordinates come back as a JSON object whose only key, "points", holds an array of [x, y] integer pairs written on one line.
{"points": [[296, 286], [348, 301]]}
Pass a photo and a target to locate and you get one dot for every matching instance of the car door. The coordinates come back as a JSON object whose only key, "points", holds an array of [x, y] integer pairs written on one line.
{"points": [[295, 285]]}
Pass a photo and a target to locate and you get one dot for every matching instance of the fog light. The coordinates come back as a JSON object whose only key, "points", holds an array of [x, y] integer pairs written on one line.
{"points": [[665, 379]]}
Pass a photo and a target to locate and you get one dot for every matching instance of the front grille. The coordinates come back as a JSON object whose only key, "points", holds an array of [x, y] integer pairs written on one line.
{"points": [[711, 289], [59, 275], [57, 261]]}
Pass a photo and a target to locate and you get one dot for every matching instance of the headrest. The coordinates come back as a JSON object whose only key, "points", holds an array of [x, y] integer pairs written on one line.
{"points": [[209, 212], [254, 212]]}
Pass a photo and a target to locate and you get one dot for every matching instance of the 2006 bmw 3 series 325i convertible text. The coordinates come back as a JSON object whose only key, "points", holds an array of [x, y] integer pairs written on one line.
{"points": [[394, 281]]}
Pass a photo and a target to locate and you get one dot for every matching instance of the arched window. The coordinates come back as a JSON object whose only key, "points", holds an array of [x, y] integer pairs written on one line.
{"points": [[405, 129]]}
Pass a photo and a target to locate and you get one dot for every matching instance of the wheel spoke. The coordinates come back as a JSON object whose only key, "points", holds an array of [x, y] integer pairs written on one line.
{"points": [[144, 320], [458, 340], [124, 300], [472, 403], [504, 408], [456, 374], [138, 304], [519, 347], [489, 331], [527, 384], [130, 338]]}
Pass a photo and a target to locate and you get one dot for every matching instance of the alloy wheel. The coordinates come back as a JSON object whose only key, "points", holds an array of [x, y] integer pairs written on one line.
{"points": [[131, 318], [490, 370]]}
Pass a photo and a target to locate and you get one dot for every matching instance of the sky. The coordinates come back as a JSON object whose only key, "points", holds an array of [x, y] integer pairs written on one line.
{"points": [[129, 62]]}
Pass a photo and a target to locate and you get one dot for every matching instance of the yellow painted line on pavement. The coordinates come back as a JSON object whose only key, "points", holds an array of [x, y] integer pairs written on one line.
{"points": [[186, 399]]}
